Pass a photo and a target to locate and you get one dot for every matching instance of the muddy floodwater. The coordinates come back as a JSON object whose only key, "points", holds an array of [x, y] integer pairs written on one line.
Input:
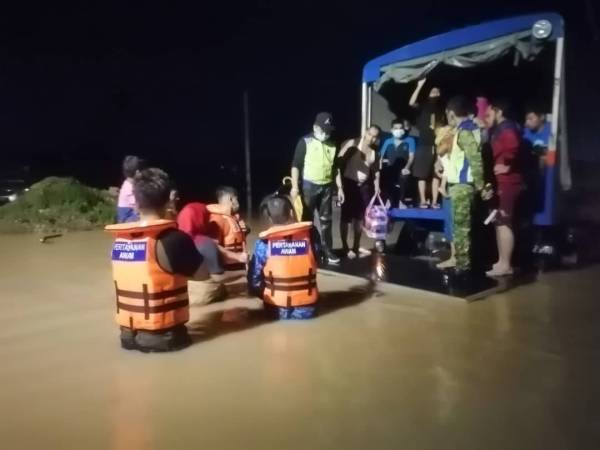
{"points": [[382, 368]]}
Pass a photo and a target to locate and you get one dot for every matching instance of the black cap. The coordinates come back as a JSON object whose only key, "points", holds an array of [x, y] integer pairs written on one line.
{"points": [[325, 122]]}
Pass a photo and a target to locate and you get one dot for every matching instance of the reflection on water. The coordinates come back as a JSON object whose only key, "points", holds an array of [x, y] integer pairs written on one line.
{"points": [[381, 367]]}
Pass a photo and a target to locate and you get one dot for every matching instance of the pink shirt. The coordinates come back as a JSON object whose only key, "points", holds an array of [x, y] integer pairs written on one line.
{"points": [[126, 198]]}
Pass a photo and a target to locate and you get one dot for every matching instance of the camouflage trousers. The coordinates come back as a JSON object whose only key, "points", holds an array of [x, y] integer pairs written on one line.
{"points": [[462, 203]]}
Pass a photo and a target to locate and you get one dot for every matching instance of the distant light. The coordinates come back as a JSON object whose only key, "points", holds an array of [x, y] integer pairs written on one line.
{"points": [[12, 198], [542, 29]]}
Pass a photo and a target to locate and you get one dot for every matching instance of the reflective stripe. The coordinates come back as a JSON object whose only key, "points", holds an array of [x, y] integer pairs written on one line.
{"points": [[291, 287], [152, 295], [310, 277], [154, 309]]}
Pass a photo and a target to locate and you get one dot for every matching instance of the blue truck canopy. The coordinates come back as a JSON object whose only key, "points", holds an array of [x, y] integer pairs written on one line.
{"points": [[465, 47]]}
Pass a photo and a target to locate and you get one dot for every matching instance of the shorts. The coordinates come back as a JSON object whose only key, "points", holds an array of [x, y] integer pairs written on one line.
{"points": [[356, 199], [508, 196]]}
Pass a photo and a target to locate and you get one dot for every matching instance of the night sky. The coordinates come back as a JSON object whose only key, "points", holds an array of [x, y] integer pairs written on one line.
{"points": [[82, 86]]}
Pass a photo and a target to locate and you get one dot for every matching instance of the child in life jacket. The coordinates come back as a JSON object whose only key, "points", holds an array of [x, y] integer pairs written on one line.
{"points": [[126, 207], [283, 269], [228, 229], [152, 262]]}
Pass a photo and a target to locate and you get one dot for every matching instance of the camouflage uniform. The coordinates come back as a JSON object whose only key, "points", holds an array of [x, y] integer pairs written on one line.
{"points": [[462, 195]]}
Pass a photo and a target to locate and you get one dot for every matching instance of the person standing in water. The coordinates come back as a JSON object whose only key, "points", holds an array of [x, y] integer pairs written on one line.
{"points": [[430, 116], [314, 163], [358, 163]]}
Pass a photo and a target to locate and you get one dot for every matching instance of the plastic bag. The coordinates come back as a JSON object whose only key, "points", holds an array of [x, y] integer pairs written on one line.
{"points": [[376, 219]]}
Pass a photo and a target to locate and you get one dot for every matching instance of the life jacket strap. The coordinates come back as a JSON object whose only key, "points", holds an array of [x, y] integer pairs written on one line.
{"points": [[150, 295], [147, 310]]}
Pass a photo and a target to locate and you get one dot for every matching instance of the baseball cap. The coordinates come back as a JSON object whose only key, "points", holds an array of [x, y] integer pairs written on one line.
{"points": [[325, 121]]}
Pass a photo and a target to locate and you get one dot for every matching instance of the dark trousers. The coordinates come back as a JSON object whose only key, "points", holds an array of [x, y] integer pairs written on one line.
{"points": [[393, 183], [318, 197]]}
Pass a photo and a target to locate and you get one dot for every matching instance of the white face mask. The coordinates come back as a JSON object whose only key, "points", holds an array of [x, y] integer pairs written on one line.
{"points": [[319, 134], [398, 133]]}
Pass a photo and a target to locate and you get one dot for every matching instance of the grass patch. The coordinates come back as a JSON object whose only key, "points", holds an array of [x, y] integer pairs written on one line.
{"points": [[58, 204]]}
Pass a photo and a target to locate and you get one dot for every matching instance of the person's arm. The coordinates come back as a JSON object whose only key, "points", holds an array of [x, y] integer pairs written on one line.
{"points": [[375, 167], [297, 166], [413, 99], [412, 148], [468, 143], [409, 164], [256, 278], [315, 238], [506, 149], [339, 163], [176, 253]]}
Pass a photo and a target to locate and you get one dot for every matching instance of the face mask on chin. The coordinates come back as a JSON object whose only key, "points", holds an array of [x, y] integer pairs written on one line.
{"points": [[398, 134]]}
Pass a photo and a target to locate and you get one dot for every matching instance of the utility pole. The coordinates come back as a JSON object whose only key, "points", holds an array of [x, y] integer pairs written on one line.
{"points": [[247, 153]]}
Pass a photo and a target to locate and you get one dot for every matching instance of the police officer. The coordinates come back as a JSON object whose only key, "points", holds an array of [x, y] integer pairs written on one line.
{"points": [[314, 163]]}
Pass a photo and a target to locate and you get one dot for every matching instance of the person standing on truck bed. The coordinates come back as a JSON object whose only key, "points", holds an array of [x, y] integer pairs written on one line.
{"points": [[314, 163]]}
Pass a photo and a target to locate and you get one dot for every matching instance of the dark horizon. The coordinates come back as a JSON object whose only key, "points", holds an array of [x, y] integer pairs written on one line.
{"points": [[85, 85]]}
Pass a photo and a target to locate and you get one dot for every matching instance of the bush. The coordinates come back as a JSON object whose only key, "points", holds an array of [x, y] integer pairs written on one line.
{"points": [[58, 204]]}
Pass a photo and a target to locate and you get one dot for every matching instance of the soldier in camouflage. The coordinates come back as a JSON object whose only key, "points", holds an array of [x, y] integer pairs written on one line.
{"points": [[465, 178]]}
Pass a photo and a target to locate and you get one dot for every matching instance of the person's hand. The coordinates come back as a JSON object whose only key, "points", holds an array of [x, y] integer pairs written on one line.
{"points": [[243, 258], [501, 169], [405, 171], [294, 192], [487, 194], [340, 196], [377, 190]]}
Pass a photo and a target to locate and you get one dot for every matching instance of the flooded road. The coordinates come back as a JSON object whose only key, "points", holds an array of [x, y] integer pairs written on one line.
{"points": [[387, 369]]}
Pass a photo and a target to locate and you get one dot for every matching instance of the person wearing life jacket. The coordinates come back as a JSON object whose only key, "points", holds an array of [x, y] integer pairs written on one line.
{"points": [[465, 177], [227, 228], [314, 165], [152, 261], [283, 269], [194, 221]]}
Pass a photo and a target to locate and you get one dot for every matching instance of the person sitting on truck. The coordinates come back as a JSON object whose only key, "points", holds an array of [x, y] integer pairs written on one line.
{"points": [[397, 155], [537, 130]]}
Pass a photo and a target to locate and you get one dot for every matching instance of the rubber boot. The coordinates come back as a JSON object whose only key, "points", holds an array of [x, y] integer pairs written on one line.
{"points": [[450, 263]]}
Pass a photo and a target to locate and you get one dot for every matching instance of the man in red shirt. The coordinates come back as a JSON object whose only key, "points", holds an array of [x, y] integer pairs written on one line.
{"points": [[506, 147]]}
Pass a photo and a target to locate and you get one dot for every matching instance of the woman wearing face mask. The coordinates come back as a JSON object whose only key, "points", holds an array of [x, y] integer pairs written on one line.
{"points": [[430, 116], [397, 157]]}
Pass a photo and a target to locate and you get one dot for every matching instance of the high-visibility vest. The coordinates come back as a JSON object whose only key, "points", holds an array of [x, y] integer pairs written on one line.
{"points": [[148, 297], [458, 167], [318, 161], [290, 271]]}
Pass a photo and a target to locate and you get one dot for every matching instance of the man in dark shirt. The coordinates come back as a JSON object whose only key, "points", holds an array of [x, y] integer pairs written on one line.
{"points": [[506, 148], [175, 254]]}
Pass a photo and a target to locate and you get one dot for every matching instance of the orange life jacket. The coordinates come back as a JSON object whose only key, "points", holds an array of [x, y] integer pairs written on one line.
{"points": [[148, 298], [291, 268], [231, 233]]}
